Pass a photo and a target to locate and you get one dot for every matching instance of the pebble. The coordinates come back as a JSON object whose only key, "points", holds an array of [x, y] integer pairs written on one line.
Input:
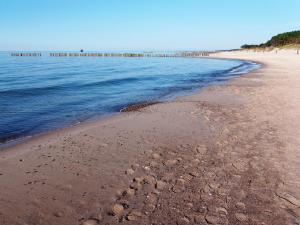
{"points": [[194, 173], [201, 149], [58, 214], [91, 222], [214, 186], [134, 215], [196, 161], [222, 211], [117, 209], [155, 156], [149, 180], [240, 205], [154, 164], [241, 217], [149, 208], [160, 185], [179, 186], [119, 193], [130, 192], [129, 172], [170, 162], [147, 168], [211, 219], [189, 205], [135, 166], [136, 185]]}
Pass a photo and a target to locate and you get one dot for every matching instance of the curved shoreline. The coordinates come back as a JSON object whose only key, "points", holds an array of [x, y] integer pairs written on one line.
{"points": [[132, 107], [19, 140], [228, 153]]}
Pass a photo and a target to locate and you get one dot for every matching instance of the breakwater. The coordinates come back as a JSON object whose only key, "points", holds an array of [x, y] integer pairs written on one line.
{"points": [[98, 54]]}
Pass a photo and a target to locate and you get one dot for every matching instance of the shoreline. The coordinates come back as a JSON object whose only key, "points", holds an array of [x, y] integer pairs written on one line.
{"points": [[227, 154], [11, 143]]}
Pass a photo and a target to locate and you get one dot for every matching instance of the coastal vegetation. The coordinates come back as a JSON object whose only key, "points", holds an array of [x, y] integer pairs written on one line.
{"points": [[288, 39]]}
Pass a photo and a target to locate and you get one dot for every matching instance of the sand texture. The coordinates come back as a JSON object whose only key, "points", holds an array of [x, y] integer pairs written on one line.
{"points": [[229, 154]]}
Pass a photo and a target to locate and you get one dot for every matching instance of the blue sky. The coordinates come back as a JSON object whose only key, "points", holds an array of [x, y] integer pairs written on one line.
{"points": [[142, 24]]}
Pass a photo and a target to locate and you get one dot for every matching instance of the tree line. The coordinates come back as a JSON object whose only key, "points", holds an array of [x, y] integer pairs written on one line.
{"points": [[288, 38]]}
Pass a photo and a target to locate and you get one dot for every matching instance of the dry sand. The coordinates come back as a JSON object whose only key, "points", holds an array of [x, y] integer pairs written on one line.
{"points": [[227, 155]]}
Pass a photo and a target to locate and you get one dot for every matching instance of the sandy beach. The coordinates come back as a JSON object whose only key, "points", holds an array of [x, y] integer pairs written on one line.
{"points": [[229, 154]]}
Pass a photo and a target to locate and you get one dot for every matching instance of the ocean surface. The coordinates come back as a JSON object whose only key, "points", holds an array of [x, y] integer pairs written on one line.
{"points": [[39, 94]]}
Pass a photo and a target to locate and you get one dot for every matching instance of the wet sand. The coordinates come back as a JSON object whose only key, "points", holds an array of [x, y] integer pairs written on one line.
{"points": [[226, 155]]}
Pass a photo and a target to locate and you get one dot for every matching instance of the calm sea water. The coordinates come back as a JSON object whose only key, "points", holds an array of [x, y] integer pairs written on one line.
{"points": [[39, 94]]}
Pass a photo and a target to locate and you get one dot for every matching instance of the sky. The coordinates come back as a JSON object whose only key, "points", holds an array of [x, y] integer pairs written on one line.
{"points": [[125, 25]]}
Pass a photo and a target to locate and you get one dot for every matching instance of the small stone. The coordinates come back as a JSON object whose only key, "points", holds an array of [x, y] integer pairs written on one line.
{"points": [[240, 205], [196, 161], [153, 164], [179, 186], [211, 219], [170, 162], [201, 149], [58, 214], [149, 208], [214, 186], [149, 180], [241, 217], [130, 192], [119, 193], [155, 156], [194, 173], [129, 172], [134, 215], [136, 186], [91, 222], [189, 205], [146, 168], [222, 211], [117, 209], [135, 166], [187, 177], [160, 185]]}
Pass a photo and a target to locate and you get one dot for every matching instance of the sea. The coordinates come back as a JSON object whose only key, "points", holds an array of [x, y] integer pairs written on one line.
{"points": [[41, 94]]}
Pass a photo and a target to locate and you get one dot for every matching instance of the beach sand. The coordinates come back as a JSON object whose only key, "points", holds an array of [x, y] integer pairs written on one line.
{"points": [[229, 154]]}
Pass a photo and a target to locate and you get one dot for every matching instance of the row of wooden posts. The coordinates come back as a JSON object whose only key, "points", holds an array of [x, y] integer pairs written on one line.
{"points": [[64, 54], [34, 54]]}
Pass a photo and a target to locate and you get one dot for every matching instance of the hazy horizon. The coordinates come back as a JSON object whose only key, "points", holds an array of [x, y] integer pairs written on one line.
{"points": [[142, 26]]}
